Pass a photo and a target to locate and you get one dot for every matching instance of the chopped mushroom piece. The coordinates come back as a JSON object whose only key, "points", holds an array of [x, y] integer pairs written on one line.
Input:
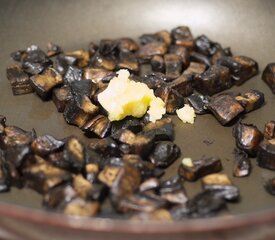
{"points": [[183, 84], [183, 53], [5, 180], [99, 125], [173, 66], [225, 108], [80, 207], [182, 36], [19, 80], [53, 49], [205, 46], [98, 75], [157, 63], [242, 164], [60, 97], [82, 57], [266, 154], [269, 130], [72, 74], [199, 102], [191, 170], [268, 76], [45, 82], [270, 186], [147, 51], [248, 137]]}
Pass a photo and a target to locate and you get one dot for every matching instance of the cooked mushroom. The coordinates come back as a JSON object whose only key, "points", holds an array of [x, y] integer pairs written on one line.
{"points": [[164, 36], [215, 79], [251, 100], [98, 75], [221, 186], [127, 45], [269, 130], [220, 53], [149, 184], [131, 123], [183, 84], [18, 55], [2, 125], [205, 46], [17, 154], [5, 180], [99, 125], [83, 88], [248, 137], [148, 50], [198, 57], [195, 69], [53, 49], [73, 74], [60, 97], [191, 170], [164, 154], [242, 165], [101, 61], [157, 63], [109, 48], [171, 97], [109, 174], [16, 178], [182, 36], [106, 146], [82, 56], [42, 176], [270, 186], [162, 129], [225, 108], [241, 68], [269, 76], [127, 60], [266, 154], [44, 83], [19, 80], [153, 80], [173, 66], [183, 53], [43, 145], [199, 102], [35, 61]]}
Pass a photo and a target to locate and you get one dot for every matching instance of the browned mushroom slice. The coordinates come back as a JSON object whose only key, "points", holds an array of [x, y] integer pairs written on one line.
{"points": [[198, 57], [42, 176], [91, 172], [149, 38], [147, 51], [127, 45], [75, 154], [183, 84], [203, 204], [131, 123], [251, 100], [140, 202], [80, 207], [183, 53], [157, 63], [15, 176], [18, 55], [5, 180], [99, 125], [83, 87], [269, 76], [44, 83], [78, 112], [57, 159], [225, 108], [215, 79], [127, 60], [109, 174], [248, 137], [82, 56], [149, 184], [43, 145], [153, 80], [139, 144], [102, 62], [59, 195], [220, 53], [171, 97], [19, 80], [108, 48], [162, 129], [14, 136], [195, 69], [205, 46], [98, 74], [53, 49], [221, 185], [73, 74], [241, 68], [183, 36], [35, 60], [62, 63], [269, 130], [199, 102], [172, 191], [164, 154], [242, 165], [106, 146], [270, 186], [266, 154], [82, 186], [191, 170], [60, 97], [157, 215], [173, 66], [17, 154], [164, 36]]}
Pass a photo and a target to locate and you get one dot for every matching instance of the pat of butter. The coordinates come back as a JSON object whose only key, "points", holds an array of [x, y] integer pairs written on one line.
{"points": [[186, 114], [187, 162], [124, 97]]}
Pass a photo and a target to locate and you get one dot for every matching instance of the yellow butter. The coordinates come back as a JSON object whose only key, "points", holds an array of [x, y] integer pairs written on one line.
{"points": [[124, 97], [186, 114]]}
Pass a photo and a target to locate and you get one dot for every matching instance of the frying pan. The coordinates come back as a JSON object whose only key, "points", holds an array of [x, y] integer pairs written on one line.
{"points": [[246, 26]]}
